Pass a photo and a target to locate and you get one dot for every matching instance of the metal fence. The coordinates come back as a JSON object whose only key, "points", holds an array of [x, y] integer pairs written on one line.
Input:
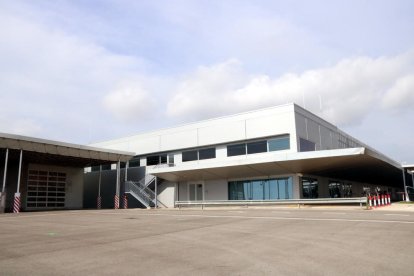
{"points": [[317, 201]]}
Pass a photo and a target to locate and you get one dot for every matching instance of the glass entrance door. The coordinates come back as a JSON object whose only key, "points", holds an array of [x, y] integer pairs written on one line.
{"points": [[195, 191]]}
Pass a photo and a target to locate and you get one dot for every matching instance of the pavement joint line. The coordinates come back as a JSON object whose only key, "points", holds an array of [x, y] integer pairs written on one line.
{"points": [[284, 218], [401, 215]]}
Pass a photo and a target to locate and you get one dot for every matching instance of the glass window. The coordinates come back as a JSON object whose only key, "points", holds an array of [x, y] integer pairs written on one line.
{"points": [[171, 158], [334, 189], [207, 153], [261, 189], [256, 147], [190, 155], [347, 190], [309, 187], [163, 159], [280, 143], [306, 145], [239, 149], [153, 160], [134, 163]]}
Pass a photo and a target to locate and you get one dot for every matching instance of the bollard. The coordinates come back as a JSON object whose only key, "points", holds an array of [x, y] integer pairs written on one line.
{"points": [[99, 202]]}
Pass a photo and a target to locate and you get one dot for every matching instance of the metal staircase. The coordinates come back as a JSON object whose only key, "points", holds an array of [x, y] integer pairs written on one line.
{"points": [[142, 192]]}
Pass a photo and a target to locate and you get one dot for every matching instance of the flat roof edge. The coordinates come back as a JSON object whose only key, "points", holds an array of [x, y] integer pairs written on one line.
{"points": [[62, 144]]}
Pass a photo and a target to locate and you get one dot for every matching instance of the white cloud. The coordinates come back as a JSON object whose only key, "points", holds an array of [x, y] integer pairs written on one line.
{"points": [[130, 102], [346, 91]]}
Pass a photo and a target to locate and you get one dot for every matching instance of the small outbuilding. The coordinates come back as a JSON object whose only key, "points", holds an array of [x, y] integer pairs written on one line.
{"points": [[39, 174]]}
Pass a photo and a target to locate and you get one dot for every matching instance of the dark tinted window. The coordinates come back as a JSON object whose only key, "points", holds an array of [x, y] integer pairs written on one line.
{"points": [[163, 159], [280, 143], [190, 155], [134, 163], [207, 153], [153, 160], [306, 145], [239, 149], [256, 147]]}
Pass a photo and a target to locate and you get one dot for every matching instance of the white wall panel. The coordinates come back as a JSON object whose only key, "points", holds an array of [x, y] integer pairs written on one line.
{"points": [[179, 140], [269, 125], [222, 133]]}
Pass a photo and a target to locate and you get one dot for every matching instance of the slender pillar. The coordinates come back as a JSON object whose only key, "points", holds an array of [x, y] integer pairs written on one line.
{"points": [[99, 200], [117, 185], [17, 200], [126, 171], [156, 193], [3, 190], [405, 186]]}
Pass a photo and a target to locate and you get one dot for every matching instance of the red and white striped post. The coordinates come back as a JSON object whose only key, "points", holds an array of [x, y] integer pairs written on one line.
{"points": [[125, 202], [99, 202], [389, 199], [16, 203], [382, 200], [370, 202], [116, 199], [379, 201]]}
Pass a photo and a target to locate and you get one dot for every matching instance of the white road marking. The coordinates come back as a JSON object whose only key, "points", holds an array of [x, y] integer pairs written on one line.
{"points": [[236, 212], [283, 218], [280, 212], [334, 213], [400, 215]]}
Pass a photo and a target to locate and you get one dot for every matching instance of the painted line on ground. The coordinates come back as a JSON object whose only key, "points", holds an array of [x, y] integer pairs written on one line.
{"points": [[334, 213], [400, 215], [281, 218]]}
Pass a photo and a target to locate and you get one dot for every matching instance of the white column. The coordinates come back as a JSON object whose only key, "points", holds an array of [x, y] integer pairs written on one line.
{"points": [[126, 171], [405, 186], [156, 193], [20, 172], [3, 190]]}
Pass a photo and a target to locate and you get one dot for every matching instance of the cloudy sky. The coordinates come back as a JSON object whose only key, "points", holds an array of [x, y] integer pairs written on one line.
{"points": [[87, 71]]}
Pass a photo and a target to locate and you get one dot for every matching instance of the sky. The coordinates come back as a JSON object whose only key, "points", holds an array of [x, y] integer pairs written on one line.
{"points": [[88, 71]]}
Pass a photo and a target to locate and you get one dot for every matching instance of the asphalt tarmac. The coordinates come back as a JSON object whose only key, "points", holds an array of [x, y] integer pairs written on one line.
{"points": [[208, 242]]}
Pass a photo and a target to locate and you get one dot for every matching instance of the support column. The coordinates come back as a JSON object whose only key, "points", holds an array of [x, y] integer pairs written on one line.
{"points": [[17, 199], [125, 198], [99, 199], [156, 193], [117, 185], [405, 186], [3, 190]]}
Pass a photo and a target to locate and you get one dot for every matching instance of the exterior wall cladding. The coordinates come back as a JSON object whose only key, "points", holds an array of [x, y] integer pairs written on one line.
{"points": [[298, 129]]}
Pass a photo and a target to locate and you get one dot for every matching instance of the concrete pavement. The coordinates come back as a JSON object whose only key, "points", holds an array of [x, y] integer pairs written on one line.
{"points": [[209, 242]]}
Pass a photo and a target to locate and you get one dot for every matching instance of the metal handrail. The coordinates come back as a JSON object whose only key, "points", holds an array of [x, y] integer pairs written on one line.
{"points": [[360, 200], [145, 193]]}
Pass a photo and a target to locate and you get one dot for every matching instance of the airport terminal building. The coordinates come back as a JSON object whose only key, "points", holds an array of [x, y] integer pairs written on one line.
{"points": [[282, 152]]}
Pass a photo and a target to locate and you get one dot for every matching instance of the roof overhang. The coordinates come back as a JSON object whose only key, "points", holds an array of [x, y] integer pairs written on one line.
{"points": [[59, 153], [353, 164]]}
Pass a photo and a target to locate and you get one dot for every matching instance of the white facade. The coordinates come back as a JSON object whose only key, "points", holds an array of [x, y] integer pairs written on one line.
{"points": [[272, 137]]}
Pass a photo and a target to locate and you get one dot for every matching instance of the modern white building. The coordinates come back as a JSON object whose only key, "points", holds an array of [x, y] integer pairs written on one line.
{"points": [[274, 153]]}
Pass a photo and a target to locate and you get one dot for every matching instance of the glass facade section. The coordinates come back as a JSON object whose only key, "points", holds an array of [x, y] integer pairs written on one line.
{"points": [[309, 187], [207, 153], [256, 147], [281, 143], [306, 145], [190, 155], [267, 189], [239, 149], [335, 189]]}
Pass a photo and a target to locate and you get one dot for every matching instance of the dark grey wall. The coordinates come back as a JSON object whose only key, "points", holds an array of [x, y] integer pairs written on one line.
{"points": [[108, 186]]}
